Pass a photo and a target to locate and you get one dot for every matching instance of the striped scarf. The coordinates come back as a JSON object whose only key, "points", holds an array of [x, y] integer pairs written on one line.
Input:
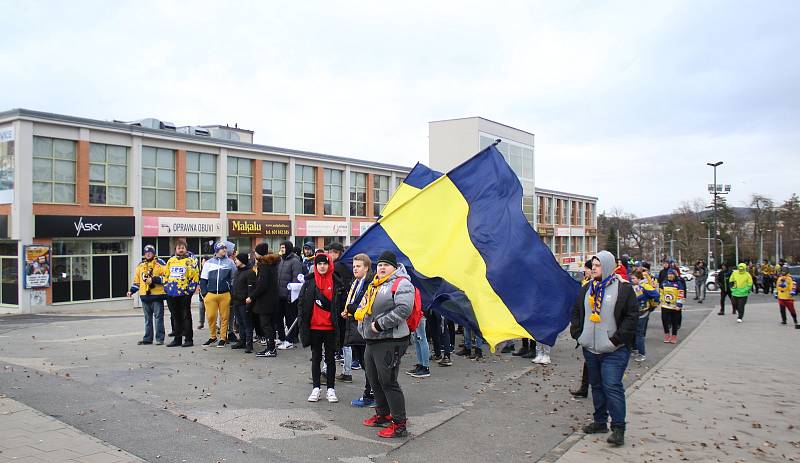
{"points": [[369, 297], [597, 290]]}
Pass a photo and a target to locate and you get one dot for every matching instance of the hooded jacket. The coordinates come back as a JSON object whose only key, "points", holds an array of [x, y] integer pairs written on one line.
{"points": [[305, 308], [288, 268], [723, 280], [786, 288], [182, 276], [243, 283], [389, 311], [741, 282], [154, 268], [217, 275], [264, 293], [619, 313]]}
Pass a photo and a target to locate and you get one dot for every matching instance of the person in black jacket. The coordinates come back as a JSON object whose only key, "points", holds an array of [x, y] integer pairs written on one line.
{"points": [[723, 283], [353, 341], [345, 277], [244, 280], [264, 296], [289, 268], [604, 320]]}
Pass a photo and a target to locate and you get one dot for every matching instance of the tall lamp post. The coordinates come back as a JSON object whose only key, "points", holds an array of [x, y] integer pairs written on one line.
{"points": [[716, 190]]}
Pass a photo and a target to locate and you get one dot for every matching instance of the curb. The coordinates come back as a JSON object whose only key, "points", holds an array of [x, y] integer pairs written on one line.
{"points": [[565, 445]]}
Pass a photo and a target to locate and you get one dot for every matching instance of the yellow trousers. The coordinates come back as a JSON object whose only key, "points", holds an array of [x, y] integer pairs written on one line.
{"points": [[218, 304]]}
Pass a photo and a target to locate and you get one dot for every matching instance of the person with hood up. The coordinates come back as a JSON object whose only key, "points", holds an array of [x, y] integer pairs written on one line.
{"points": [[583, 390], [264, 296], [319, 324], [243, 282], [148, 280], [723, 283], [180, 285], [786, 290], [289, 268], [672, 295], [604, 320], [216, 282], [741, 284], [308, 258], [382, 322]]}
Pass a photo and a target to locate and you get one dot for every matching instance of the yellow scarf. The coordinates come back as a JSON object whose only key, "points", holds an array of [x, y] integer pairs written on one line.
{"points": [[369, 297]]}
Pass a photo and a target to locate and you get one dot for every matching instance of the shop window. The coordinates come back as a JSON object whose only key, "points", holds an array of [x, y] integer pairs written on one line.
{"points": [[380, 185], [158, 178], [201, 246], [332, 199], [240, 185], [162, 245], [85, 270], [273, 187], [108, 174], [54, 170], [241, 244], [9, 273], [305, 189], [201, 181]]}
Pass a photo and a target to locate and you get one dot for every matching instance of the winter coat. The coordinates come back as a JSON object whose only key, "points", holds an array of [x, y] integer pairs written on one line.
{"points": [[288, 268], [217, 275], [182, 276], [741, 282], [305, 308], [723, 280], [700, 274], [244, 281], [157, 270], [265, 292], [351, 336], [390, 311], [785, 287]]}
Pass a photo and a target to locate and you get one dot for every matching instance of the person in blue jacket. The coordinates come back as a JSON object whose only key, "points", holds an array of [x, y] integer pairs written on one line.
{"points": [[216, 282]]}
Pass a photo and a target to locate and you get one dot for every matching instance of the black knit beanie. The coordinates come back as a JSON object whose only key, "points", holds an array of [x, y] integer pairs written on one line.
{"points": [[262, 249], [388, 257]]}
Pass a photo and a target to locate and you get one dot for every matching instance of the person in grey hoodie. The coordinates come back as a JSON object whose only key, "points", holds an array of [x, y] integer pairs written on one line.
{"points": [[604, 320], [382, 317], [289, 268]]}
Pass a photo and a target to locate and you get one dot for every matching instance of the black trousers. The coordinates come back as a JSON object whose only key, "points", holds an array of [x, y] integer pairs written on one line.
{"points": [[722, 296], [358, 355], [180, 310], [243, 322], [671, 319], [433, 329], [326, 339], [266, 321], [284, 320], [382, 362], [738, 305]]}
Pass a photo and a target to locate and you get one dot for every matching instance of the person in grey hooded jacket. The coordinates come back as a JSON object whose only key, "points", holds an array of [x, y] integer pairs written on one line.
{"points": [[382, 317], [604, 320]]}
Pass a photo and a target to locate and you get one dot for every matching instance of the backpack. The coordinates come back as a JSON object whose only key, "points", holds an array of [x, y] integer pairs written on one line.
{"points": [[415, 318]]}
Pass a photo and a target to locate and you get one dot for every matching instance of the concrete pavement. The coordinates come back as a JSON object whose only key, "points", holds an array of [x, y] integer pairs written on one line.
{"points": [[728, 393]]}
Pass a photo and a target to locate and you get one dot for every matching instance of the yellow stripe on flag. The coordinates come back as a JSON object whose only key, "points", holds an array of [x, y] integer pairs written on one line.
{"points": [[401, 195], [431, 230]]}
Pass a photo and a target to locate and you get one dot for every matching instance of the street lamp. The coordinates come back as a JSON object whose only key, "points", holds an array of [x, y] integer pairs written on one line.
{"points": [[716, 190]]}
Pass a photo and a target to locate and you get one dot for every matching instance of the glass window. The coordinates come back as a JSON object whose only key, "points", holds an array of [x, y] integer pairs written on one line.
{"points": [[158, 178], [201, 181], [54, 170], [485, 142], [305, 187], [527, 208], [161, 244], [108, 174], [380, 185], [86, 270], [273, 187], [332, 199], [240, 185], [358, 194]]}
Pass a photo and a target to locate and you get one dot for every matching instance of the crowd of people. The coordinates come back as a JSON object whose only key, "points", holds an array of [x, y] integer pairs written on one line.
{"points": [[360, 316]]}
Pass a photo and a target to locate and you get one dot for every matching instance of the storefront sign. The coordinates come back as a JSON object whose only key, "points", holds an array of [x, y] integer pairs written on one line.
{"points": [[363, 227], [321, 228], [181, 226], [84, 226], [238, 227], [37, 266], [562, 231]]}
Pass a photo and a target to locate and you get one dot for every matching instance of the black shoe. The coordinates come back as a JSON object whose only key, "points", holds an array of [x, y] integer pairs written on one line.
{"points": [[238, 345], [172, 335], [422, 372], [595, 428], [617, 437], [445, 361], [221, 343], [463, 351], [210, 341], [436, 357], [471, 355], [581, 393], [200, 326], [477, 354], [522, 351], [187, 344], [507, 349], [232, 337], [142, 343], [797, 326], [267, 353], [248, 348], [782, 323], [530, 354], [413, 370], [345, 378], [175, 343], [720, 313]]}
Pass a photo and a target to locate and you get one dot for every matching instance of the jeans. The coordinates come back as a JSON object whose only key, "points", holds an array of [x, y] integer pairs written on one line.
{"points": [[153, 309], [605, 377], [641, 332], [700, 287], [468, 334], [347, 369], [421, 344], [243, 320]]}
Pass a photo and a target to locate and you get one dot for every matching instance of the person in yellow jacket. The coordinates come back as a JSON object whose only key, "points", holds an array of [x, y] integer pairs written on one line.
{"points": [[148, 282], [786, 288], [741, 284], [672, 296], [181, 284]]}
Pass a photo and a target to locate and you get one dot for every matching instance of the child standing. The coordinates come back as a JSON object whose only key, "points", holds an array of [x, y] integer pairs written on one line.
{"points": [[672, 296]]}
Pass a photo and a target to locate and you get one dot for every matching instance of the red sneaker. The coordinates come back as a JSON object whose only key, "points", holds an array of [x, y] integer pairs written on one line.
{"points": [[394, 430], [667, 338], [378, 421], [674, 339]]}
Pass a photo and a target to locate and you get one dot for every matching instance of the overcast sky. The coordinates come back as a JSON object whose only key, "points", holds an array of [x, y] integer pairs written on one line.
{"points": [[628, 100]]}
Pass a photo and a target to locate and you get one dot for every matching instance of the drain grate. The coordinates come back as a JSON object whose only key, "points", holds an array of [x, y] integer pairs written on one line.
{"points": [[303, 425]]}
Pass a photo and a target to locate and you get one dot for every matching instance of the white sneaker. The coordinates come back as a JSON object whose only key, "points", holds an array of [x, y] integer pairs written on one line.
{"points": [[537, 359], [545, 360], [738, 320], [314, 397], [285, 345], [640, 358], [331, 395]]}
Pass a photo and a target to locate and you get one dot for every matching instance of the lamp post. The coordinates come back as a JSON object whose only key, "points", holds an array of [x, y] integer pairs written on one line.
{"points": [[716, 190]]}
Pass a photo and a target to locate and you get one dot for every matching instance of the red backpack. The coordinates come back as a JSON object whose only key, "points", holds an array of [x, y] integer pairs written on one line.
{"points": [[415, 318]]}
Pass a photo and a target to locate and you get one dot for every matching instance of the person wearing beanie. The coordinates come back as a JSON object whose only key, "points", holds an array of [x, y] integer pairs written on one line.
{"points": [[741, 284], [244, 280], [382, 322], [786, 289], [289, 268], [308, 258], [319, 327], [263, 296], [147, 280], [216, 282]]}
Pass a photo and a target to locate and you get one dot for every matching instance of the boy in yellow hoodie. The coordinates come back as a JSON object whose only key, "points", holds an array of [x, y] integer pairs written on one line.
{"points": [[148, 281], [786, 291]]}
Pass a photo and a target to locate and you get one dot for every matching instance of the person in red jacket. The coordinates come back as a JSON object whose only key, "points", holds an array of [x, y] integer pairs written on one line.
{"points": [[621, 270]]}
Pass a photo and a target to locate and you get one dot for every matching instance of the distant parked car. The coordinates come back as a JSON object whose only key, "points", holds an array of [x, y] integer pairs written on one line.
{"points": [[711, 281], [686, 274]]}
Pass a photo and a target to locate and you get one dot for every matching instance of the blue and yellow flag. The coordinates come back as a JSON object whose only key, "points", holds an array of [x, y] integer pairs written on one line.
{"points": [[472, 253]]}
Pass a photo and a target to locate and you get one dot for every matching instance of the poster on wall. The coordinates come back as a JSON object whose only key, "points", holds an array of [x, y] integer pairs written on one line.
{"points": [[37, 266], [6, 164]]}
